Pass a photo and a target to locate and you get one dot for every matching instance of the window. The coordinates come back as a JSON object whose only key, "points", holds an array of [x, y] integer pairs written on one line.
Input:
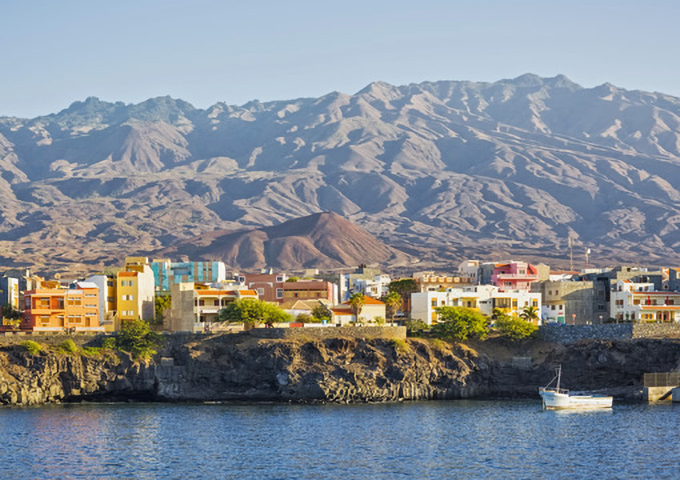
{"points": [[552, 307], [74, 301], [43, 303], [279, 278], [434, 302], [90, 294], [279, 293], [636, 301], [534, 303], [514, 303], [128, 297], [90, 305]]}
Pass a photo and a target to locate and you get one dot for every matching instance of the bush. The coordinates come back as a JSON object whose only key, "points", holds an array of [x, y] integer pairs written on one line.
{"points": [[91, 351], [307, 318], [379, 321], [137, 338], [515, 328], [438, 344], [33, 348], [458, 323], [68, 347], [251, 312], [400, 345], [415, 327]]}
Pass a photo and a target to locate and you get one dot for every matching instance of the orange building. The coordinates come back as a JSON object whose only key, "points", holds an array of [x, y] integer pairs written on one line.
{"points": [[55, 309]]}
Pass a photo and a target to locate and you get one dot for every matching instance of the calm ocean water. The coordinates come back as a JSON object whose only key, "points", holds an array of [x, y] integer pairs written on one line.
{"points": [[461, 439]]}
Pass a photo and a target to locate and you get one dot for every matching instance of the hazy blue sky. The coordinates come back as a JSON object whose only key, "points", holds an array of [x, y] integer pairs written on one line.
{"points": [[56, 52]]}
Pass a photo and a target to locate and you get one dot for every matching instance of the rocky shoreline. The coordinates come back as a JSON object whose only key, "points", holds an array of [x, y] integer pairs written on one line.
{"points": [[238, 367]]}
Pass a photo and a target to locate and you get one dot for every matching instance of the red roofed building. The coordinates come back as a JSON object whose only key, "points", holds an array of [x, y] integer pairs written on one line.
{"points": [[372, 309]]}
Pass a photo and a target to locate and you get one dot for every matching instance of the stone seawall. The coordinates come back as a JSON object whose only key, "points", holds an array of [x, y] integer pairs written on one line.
{"points": [[624, 331]]}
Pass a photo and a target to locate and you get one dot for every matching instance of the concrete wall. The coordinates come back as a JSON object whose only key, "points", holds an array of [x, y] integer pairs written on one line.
{"points": [[622, 331]]}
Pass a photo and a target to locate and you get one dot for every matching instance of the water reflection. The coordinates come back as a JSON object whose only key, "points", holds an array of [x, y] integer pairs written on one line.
{"points": [[411, 440]]}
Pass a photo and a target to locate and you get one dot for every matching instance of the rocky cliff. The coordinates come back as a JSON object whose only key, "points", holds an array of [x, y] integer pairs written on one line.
{"points": [[242, 368]]}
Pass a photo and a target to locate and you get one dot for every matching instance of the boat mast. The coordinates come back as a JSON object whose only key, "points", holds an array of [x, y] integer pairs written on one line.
{"points": [[559, 375]]}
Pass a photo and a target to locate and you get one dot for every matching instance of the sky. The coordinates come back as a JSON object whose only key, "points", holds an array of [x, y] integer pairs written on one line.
{"points": [[204, 52]]}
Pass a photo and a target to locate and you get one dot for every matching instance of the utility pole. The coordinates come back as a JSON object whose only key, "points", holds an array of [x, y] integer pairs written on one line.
{"points": [[587, 253]]}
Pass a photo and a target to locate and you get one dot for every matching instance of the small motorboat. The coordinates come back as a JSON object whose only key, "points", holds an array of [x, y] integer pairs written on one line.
{"points": [[558, 398]]}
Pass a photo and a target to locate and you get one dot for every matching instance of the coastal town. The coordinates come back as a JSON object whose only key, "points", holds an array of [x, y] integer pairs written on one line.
{"points": [[192, 296]]}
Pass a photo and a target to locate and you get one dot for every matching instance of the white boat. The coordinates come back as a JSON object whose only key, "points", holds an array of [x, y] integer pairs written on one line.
{"points": [[558, 398]]}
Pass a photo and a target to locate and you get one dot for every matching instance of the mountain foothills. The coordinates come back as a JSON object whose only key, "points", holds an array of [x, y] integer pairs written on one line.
{"points": [[440, 170]]}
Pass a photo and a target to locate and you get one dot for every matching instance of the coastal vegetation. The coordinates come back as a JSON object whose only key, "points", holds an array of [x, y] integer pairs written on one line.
{"points": [[459, 323], [137, 338], [251, 312]]}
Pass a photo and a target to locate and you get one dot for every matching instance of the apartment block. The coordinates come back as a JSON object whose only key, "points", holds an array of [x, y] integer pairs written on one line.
{"points": [[61, 309], [641, 302], [167, 273], [484, 298]]}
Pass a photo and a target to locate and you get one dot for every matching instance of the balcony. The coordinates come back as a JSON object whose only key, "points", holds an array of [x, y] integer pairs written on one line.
{"points": [[517, 276]]}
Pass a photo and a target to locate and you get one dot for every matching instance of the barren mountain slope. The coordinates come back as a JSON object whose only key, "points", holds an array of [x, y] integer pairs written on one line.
{"points": [[444, 170]]}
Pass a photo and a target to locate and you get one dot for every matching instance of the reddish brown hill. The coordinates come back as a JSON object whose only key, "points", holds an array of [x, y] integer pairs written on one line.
{"points": [[322, 240]]}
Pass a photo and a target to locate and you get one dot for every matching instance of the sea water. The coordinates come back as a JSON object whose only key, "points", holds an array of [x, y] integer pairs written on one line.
{"points": [[456, 439]]}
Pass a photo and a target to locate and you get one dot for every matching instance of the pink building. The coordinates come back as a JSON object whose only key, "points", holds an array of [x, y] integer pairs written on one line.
{"points": [[514, 275]]}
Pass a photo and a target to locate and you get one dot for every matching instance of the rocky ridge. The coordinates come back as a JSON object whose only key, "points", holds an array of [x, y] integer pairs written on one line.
{"points": [[443, 169], [237, 367]]}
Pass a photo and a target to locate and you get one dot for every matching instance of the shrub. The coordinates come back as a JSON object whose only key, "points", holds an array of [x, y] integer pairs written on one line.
{"points": [[68, 347], [438, 344], [379, 321], [400, 345], [33, 348], [458, 323], [91, 351], [415, 327], [137, 338], [515, 328]]}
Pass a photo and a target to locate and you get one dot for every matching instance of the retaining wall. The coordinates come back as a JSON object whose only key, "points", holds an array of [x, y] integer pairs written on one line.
{"points": [[611, 331]]}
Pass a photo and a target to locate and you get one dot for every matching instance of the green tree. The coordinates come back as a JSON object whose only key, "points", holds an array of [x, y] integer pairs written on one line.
{"points": [[10, 316], [393, 303], [137, 338], [529, 313], [404, 287], [515, 328], [458, 323], [251, 312], [357, 302], [322, 312], [161, 304]]}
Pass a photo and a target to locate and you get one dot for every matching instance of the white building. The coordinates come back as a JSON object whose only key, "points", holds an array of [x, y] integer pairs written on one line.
{"points": [[485, 298], [639, 302]]}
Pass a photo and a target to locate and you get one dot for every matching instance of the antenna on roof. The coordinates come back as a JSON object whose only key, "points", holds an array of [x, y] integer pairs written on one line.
{"points": [[587, 253]]}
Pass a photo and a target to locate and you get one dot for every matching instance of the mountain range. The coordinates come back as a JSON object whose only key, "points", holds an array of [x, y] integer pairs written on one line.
{"points": [[440, 170]]}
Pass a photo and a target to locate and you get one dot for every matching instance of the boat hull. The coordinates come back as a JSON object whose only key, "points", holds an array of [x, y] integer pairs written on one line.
{"points": [[555, 400]]}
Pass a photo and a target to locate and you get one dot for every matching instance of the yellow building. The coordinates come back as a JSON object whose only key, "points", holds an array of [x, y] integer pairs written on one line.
{"points": [[133, 291]]}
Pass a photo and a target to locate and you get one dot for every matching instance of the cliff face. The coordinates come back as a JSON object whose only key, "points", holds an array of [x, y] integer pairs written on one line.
{"points": [[236, 367]]}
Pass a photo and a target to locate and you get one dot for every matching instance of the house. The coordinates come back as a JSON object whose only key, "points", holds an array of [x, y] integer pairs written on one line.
{"points": [[514, 275], [372, 309], [194, 307], [641, 302], [53, 308], [277, 288], [483, 298]]}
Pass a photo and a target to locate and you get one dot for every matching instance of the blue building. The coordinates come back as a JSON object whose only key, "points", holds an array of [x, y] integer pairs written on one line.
{"points": [[166, 273]]}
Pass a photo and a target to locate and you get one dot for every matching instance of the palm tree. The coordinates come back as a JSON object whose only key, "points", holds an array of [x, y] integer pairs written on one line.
{"points": [[393, 302], [357, 303], [530, 314]]}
